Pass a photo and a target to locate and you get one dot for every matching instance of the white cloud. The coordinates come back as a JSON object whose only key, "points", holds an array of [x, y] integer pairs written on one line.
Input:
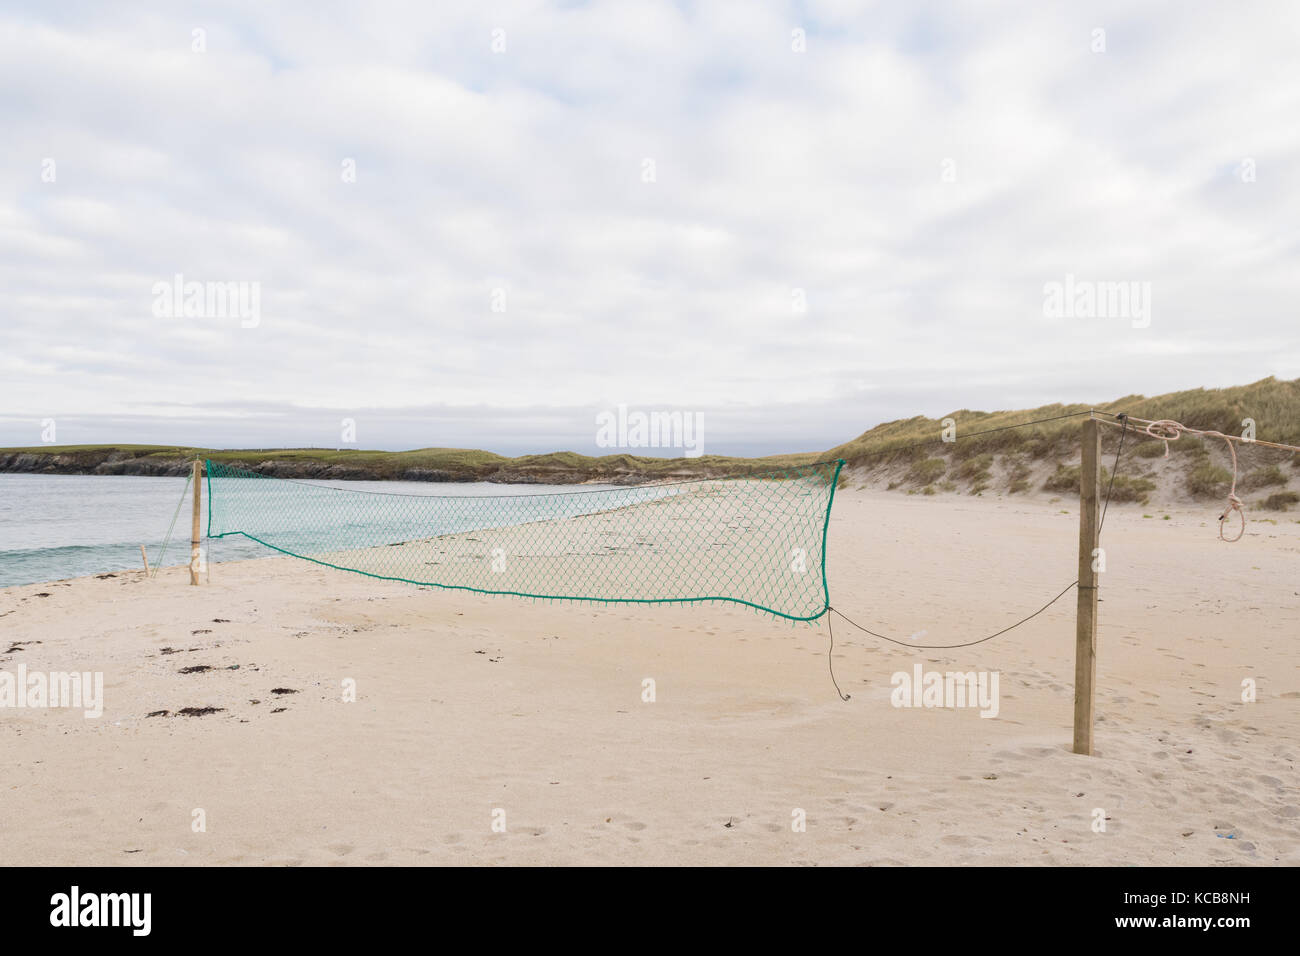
{"points": [[774, 171]]}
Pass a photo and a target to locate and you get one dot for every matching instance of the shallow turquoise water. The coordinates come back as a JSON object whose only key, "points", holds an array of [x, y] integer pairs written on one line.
{"points": [[65, 526]]}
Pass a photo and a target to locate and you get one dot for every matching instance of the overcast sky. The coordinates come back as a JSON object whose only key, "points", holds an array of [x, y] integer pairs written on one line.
{"points": [[480, 224]]}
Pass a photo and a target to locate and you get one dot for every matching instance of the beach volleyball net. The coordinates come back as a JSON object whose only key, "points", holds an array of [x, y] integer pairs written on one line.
{"points": [[757, 540]]}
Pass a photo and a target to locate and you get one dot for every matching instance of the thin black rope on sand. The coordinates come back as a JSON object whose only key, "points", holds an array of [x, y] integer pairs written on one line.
{"points": [[830, 656], [937, 647]]}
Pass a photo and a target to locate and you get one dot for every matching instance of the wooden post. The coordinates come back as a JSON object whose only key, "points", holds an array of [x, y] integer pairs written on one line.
{"points": [[144, 556], [194, 525], [1085, 638]]}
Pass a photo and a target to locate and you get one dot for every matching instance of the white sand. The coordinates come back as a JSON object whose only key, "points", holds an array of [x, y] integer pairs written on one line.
{"points": [[468, 704]]}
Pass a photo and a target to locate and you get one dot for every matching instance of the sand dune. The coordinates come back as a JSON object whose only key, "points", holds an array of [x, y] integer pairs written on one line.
{"points": [[469, 704]]}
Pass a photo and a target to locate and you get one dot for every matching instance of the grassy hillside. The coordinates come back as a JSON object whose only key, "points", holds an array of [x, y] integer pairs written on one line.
{"points": [[424, 464], [1273, 404], [909, 455], [906, 455]]}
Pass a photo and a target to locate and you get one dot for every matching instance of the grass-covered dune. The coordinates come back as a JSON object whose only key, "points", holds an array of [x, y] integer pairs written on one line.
{"points": [[905, 455], [909, 455], [1273, 405]]}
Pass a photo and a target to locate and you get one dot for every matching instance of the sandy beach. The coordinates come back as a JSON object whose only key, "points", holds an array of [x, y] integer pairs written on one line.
{"points": [[466, 705]]}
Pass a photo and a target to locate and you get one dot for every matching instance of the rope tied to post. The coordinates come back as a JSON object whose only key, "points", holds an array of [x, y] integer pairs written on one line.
{"points": [[1167, 430]]}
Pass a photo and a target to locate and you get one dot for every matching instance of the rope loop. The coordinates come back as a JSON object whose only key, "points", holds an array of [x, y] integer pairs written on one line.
{"points": [[1166, 431]]}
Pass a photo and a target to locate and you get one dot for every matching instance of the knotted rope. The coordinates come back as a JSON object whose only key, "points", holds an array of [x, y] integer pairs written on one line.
{"points": [[1167, 430]]}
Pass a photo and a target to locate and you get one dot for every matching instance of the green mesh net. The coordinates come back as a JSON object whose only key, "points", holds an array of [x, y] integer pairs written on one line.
{"points": [[758, 540]]}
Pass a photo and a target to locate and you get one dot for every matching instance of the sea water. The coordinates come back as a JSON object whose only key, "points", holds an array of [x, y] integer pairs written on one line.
{"points": [[65, 526]]}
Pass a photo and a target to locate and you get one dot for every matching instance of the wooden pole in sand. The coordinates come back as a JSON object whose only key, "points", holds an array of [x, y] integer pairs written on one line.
{"points": [[194, 524], [1085, 638]]}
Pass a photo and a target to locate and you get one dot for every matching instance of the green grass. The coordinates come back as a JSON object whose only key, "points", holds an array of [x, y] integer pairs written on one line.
{"points": [[1280, 501], [975, 469], [1124, 488], [1207, 480], [927, 472], [1266, 477], [1065, 479]]}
